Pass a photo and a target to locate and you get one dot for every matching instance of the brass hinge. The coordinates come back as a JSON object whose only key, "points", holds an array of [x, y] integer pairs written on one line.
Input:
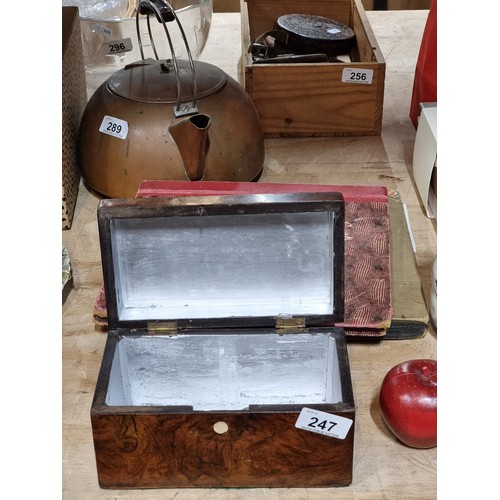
{"points": [[159, 327], [287, 324]]}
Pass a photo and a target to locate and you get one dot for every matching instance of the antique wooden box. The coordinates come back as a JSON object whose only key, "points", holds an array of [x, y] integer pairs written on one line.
{"points": [[315, 99], [217, 371]]}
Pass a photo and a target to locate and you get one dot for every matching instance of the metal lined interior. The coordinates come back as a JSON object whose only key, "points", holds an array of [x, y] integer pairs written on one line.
{"points": [[244, 265], [225, 371]]}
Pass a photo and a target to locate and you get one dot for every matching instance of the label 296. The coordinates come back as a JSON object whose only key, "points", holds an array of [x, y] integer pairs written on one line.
{"points": [[114, 127], [357, 76], [116, 47]]}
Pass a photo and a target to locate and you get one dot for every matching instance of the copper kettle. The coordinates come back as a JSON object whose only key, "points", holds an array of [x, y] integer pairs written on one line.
{"points": [[168, 119]]}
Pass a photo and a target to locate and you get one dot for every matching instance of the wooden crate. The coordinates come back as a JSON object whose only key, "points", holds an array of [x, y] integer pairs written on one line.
{"points": [[226, 5], [304, 100]]}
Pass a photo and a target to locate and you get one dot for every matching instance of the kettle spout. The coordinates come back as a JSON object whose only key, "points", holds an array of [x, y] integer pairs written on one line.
{"points": [[191, 137]]}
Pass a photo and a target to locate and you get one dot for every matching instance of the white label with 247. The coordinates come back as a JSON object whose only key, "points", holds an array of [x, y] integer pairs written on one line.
{"points": [[323, 423]]}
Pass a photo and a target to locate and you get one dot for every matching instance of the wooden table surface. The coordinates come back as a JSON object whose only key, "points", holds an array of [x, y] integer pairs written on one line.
{"points": [[383, 467]]}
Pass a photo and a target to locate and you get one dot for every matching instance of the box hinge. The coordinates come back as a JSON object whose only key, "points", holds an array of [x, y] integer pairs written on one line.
{"points": [[162, 327], [289, 324]]}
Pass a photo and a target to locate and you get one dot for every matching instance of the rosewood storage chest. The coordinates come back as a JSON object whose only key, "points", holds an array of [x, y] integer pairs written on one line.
{"points": [[217, 371]]}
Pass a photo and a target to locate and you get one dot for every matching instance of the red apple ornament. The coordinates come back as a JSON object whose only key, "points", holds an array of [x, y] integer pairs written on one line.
{"points": [[408, 402]]}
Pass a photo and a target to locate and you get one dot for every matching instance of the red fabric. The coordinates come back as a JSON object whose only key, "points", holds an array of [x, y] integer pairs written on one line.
{"points": [[367, 294], [425, 81]]}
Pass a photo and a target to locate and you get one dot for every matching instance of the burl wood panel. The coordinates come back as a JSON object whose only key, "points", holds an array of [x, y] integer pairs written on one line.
{"points": [[184, 451]]}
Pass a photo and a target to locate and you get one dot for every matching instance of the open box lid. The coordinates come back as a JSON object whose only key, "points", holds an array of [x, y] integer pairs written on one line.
{"points": [[223, 261]]}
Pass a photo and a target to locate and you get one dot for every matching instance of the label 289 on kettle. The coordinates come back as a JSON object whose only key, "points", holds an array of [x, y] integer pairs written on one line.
{"points": [[114, 127]]}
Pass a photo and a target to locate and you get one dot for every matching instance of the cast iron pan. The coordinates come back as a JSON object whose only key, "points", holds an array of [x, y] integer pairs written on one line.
{"points": [[308, 34]]}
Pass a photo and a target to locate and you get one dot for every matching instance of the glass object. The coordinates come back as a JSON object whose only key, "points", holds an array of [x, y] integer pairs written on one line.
{"points": [[110, 42], [66, 266]]}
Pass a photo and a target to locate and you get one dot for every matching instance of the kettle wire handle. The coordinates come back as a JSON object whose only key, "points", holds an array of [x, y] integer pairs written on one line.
{"points": [[164, 13]]}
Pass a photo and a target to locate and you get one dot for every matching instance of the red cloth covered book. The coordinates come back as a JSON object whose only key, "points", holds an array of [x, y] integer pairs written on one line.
{"points": [[367, 292]]}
